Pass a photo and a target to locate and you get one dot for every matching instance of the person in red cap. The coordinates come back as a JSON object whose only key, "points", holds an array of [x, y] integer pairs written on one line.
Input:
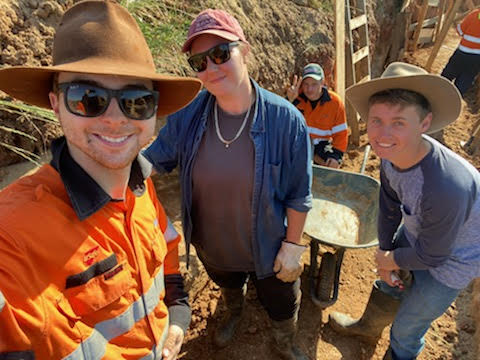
{"points": [[244, 159], [89, 260], [324, 113]]}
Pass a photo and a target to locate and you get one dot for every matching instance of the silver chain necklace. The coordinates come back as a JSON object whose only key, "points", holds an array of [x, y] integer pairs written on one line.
{"points": [[220, 137]]}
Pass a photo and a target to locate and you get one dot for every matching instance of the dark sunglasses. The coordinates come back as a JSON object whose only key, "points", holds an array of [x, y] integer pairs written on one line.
{"points": [[219, 54], [90, 100]]}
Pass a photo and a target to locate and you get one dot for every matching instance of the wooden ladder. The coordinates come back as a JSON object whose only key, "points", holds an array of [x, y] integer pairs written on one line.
{"points": [[357, 57], [426, 30]]}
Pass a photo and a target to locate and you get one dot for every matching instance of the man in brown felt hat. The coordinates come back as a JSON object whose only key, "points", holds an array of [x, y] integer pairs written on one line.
{"points": [[429, 238], [89, 261]]}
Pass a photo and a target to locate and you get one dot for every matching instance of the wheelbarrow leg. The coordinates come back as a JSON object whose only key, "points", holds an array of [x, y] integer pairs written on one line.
{"points": [[314, 246], [340, 252]]}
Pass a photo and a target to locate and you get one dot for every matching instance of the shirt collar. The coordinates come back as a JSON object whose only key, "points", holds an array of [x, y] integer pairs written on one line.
{"points": [[86, 196]]}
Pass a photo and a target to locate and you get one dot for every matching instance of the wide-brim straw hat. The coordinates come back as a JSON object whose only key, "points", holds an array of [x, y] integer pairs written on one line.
{"points": [[102, 38], [441, 93]]}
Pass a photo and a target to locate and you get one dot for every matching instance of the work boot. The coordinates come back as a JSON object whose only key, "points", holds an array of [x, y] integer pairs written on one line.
{"points": [[283, 335], [389, 354], [234, 300], [379, 313]]}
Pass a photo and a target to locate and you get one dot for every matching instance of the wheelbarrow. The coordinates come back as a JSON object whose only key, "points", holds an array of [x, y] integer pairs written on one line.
{"points": [[343, 216]]}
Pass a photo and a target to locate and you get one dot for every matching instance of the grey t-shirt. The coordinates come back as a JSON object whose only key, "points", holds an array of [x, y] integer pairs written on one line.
{"points": [[222, 194], [439, 202]]}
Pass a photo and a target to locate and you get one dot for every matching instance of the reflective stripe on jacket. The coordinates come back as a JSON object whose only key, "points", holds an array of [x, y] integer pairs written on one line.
{"points": [[90, 289], [469, 30]]}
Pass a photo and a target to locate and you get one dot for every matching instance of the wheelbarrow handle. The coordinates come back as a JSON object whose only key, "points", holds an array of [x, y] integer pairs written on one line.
{"points": [[365, 158]]}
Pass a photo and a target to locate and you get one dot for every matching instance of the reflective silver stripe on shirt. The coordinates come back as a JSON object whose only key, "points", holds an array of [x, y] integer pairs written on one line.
{"points": [[156, 353], [459, 29], [469, 50], [2, 301], [94, 346], [472, 38], [170, 233], [339, 128], [319, 132]]}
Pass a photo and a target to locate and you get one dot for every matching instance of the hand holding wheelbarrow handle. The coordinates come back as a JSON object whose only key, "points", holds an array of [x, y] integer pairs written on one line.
{"points": [[396, 280], [401, 278]]}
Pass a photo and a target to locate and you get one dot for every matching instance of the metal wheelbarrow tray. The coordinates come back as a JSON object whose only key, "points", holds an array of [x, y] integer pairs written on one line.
{"points": [[343, 216]]}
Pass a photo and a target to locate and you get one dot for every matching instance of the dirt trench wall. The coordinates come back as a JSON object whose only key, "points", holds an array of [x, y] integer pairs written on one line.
{"points": [[476, 314], [284, 37]]}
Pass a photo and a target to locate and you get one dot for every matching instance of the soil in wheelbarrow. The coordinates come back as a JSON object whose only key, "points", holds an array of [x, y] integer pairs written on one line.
{"points": [[341, 216]]}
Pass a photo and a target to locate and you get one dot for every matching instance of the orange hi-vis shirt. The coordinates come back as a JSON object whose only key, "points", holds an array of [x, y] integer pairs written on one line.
{"points": [[91, 289], [469, 30], [327, 120]]}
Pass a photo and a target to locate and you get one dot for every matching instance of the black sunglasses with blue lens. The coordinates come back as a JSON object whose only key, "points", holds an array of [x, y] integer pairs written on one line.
{"points": [[219, 54], [89, 100]]}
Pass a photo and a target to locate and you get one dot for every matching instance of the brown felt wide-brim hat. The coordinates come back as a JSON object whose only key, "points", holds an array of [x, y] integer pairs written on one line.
{"points": [[102, 38], [441, 93]]}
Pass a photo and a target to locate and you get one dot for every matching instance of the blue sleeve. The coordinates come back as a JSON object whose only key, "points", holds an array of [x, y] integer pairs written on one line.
{"points": [[299, 196], [389, 214], [443, 212], [163, 152]]}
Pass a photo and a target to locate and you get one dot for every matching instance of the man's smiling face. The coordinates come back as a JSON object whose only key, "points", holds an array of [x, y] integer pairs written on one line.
{"points": [[395, 132]]}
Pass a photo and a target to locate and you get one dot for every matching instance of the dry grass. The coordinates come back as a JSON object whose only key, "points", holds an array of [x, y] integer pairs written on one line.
{"points": [[24, 112]]}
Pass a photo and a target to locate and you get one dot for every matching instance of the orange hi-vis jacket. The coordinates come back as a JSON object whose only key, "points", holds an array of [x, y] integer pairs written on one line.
{"points": [[82, 289], [469, 30], [327, 121]]}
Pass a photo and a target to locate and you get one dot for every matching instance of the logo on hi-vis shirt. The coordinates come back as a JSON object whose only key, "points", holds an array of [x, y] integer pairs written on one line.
{"points": [[90, 256]]}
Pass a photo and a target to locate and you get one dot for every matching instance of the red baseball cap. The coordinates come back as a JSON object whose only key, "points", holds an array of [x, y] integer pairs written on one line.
{"points": [[216, 22]]}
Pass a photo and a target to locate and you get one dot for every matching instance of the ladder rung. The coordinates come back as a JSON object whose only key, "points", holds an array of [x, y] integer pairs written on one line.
{"points": [[358, 21], [426, 22], [360, 54]]}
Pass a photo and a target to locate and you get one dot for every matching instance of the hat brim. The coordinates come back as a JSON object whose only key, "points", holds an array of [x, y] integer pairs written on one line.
{"points": [[443, 96], [33, 84], [220, 33], [315, 77]]}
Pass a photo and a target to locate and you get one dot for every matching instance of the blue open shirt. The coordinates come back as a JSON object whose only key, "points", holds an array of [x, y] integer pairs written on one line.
{"points": [[282, 176]]}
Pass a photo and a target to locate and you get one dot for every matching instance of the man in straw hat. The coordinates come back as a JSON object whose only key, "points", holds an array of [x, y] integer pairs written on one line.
{"points": [[90, 264], [429, 208]]}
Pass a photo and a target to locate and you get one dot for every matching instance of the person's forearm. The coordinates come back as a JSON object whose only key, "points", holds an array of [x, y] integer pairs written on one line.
{"points": [[296, 222], [176, 299]]}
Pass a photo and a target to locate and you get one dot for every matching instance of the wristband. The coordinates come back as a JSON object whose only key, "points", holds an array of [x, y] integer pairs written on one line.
{"points": [[291, 242]]}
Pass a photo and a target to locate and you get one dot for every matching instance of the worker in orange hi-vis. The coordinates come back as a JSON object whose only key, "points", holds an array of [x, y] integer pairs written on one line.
{"points": [[464, 65], [89, 260], [324, 113]]}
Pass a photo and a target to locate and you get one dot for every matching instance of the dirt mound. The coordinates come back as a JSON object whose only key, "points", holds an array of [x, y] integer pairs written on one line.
{"points": [[26, 36], [26, 30]]}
